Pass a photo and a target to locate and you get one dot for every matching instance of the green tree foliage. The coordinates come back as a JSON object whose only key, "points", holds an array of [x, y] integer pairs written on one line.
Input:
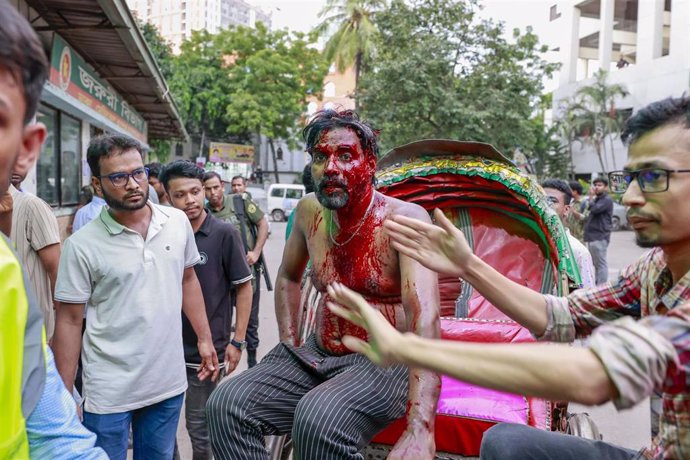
{"points": [[201, 88], [441, 72], [270, 75], [596, 118], [353, 32]]}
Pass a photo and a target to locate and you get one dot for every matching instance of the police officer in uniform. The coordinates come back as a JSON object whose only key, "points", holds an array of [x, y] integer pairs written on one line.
{"points": [[248, 218]]}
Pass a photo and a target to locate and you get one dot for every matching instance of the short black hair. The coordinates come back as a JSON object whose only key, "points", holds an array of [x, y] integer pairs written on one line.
{"points": [[650, 117], [22, 54], [307, 180], [601, 179], [180, 168], [239, 176], [327, 119], [210, 175], [560, 185], [155, 169], [106, 145], [575, 186]]}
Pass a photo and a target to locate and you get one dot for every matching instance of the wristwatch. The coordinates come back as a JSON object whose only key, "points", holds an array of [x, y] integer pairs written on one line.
{"points": [[241, 345]]}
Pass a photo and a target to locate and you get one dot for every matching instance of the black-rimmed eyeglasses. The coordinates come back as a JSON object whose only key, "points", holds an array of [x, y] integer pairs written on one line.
{"points": [[120, 179], [651, 180]]}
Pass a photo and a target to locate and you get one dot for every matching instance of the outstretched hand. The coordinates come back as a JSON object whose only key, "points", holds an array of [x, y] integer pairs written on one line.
{"points": [[442, 248], [383, 337]]}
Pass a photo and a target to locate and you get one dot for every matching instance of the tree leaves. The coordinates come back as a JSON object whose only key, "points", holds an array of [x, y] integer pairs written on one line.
{"points": [[442, 72]]}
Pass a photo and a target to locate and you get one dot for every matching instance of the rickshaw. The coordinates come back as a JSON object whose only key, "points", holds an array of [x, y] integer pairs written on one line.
{"points": [[508, 222]]}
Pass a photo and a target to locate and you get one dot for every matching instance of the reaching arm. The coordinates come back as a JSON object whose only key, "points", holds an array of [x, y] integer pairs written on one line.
{"points": [[287, 289], [195, 310], [550, 371], [444, 249], [66, 343], [50, 259]]}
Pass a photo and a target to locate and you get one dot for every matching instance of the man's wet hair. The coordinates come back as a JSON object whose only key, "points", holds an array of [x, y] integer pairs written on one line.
{"points": [[22, 54], [328, 119], [307, 180], [560, 185], [210, 175], [155, 169], [180, 168], [106, 145], [656, 114], [575, 186], [244, 181]]}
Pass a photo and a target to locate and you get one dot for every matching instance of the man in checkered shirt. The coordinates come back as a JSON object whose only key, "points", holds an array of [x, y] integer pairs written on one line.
{"points": [[638, 324]]}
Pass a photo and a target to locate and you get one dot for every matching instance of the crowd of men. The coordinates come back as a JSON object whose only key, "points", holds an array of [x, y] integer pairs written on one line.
{"points": [[145, 292]]}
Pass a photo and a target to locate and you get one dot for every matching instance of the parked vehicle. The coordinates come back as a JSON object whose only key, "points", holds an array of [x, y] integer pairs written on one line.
{"points": [[282, 199]]}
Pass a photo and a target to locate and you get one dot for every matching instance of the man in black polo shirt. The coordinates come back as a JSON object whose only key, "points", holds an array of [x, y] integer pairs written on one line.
{"points": [[223, 267], [598, 227]]}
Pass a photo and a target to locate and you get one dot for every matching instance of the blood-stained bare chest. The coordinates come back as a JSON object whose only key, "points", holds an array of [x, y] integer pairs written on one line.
{"points": [[364, 261]]}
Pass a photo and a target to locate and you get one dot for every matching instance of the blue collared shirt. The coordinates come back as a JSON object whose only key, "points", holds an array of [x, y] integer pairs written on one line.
{"points": [[87, 213], [53, 428]]}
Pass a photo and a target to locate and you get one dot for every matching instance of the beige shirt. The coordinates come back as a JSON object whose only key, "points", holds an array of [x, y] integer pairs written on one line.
{"points": [[132, 348], [34, 227]]}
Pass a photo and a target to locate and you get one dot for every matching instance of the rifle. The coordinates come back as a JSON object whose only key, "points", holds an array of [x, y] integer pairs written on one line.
{"points": [[238, 204]]}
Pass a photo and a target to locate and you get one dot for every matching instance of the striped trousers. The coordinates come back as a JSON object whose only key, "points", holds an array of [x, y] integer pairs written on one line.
{"points": [[332, 405]]}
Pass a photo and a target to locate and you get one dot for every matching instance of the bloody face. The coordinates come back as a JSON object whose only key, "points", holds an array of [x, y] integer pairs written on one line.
{"points": [[341, 169]]}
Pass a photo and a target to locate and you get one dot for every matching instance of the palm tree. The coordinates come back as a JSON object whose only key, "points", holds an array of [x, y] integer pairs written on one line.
{"points": [[567, 127], [598, 116], [352, 42]]}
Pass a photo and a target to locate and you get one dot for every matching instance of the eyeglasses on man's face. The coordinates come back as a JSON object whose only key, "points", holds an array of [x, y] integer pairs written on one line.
{"points": [[651, 180], [120, 179]]}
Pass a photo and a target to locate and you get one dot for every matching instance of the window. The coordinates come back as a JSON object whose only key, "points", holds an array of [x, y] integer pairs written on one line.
{"points": [[295, 193], [58, 172], [277, 192], [554, 13]]}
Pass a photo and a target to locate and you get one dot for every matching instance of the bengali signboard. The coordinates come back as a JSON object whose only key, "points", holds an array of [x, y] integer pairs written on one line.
{"points": [[70, 73], [219, 152]]}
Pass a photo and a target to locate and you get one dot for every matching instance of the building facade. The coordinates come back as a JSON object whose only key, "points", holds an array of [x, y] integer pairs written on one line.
{"points": [[643, 44], [103, 79], [177, 19]]}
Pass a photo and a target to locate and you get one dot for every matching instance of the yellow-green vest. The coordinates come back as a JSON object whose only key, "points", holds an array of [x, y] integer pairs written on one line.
{"points": [[22, 359]]}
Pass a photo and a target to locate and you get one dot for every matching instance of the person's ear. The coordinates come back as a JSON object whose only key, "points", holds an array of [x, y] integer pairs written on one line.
{"points": [[32, 141], [97, 187]]}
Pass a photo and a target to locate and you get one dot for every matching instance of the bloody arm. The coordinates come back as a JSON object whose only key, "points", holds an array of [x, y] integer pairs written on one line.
{"points": [[420, 298]]}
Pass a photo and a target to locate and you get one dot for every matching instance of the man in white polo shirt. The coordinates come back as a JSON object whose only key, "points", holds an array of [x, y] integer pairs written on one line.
{"points": [[132, 268]]}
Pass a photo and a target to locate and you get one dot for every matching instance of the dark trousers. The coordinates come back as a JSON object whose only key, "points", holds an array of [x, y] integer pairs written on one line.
{"points": [[197, 394], [253, 326], [332, 405], [508, 441]]}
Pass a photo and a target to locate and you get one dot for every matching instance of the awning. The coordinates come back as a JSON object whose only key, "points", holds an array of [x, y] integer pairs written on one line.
{"points": [[106, 35]]}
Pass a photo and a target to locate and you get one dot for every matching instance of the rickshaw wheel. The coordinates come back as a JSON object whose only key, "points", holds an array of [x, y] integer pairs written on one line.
{"points": [[582, 426]]}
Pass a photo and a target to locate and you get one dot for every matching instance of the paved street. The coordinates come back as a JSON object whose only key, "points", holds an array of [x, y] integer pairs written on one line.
{"points": [[629, 428]]}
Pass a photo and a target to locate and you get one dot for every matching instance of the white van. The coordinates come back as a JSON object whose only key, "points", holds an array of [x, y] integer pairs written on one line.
{"points": [[282, 199]]}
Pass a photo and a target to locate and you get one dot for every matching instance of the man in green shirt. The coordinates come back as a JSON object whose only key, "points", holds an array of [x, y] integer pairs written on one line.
{"points": [[253, 228]]}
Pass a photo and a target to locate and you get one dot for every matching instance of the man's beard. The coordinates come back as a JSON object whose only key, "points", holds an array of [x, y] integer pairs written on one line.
{"points": [[337, 201], [122, 205]]}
